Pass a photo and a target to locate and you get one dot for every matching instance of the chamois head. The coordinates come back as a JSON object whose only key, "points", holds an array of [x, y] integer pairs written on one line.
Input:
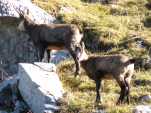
{"points": [[80, 52], [24, 20]]}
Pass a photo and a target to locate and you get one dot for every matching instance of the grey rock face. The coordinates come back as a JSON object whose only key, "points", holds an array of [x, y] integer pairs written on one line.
{"points": [[13, 7], [145, 98], [39, 88], [58, 56], [10, 97], [15, 47], [142, 109]]}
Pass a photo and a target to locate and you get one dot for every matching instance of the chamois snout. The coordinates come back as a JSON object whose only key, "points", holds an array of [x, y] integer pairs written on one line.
{"points": [[80, 53]]}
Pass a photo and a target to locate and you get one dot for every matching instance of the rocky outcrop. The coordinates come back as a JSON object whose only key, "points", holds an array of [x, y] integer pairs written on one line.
{"points": [[39, 87], [145, 98], [36, 87], [58, 56], [12, 7], [10, 98], [15, 46]]}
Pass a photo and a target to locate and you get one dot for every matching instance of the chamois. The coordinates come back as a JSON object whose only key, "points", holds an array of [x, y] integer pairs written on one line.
{"points": [[118, 67], [48, 36]]}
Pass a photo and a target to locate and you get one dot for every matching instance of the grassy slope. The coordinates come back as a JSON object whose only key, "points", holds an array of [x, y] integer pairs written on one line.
{"points": [[80, 96], [112, 24]]}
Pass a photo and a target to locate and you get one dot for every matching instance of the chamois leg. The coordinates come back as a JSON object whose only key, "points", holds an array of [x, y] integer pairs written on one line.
{"points": [[127, 82], [98, 85], [45, 57], [76, 62], [48, 55], [122, 85], [41, 52]]}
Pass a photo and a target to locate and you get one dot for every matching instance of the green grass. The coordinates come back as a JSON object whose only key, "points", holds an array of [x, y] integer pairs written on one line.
{"points": [[80, 97], [104, 22], [110, 25]]}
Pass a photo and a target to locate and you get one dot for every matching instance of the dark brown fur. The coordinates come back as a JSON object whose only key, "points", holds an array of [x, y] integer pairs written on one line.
{"points": [[118, 67], [54, 36]]}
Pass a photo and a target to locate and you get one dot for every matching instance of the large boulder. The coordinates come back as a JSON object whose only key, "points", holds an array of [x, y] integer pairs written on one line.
{"points": [[10, 98], [40, 86], [145, 98], [13, 7]]}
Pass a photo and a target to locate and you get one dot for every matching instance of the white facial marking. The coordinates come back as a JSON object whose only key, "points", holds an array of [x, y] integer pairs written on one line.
{"points": [[78, 36], [130, 67], [21, 26], [83, 56]]}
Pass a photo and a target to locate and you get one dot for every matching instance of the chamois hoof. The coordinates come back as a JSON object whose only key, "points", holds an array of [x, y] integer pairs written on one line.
{"points": [[98, 101], [77, 73], [119, 102]]}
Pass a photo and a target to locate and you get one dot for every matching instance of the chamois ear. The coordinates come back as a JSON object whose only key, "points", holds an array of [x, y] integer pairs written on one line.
{"points": [[21, 14]]}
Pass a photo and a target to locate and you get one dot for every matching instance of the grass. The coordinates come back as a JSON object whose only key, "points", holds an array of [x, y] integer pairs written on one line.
{"points": [[103, 25], [103, 22], [80, 97]]}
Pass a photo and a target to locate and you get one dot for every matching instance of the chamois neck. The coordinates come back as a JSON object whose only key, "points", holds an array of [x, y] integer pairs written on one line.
{"points": [[29, 25], [84, 62]]}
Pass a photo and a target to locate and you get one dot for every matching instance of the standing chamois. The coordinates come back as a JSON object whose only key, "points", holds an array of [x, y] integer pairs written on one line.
{"points": [[49, 36], [118, 67]]}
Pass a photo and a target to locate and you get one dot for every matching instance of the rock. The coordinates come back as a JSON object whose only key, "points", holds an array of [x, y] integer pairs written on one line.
{"points": [[142, 109], [46, 66], [58, 56], [14, 47], [142, 82], [10, 97], [8, 90], [3, 74], [20, 107], [13, 7], [145, 98], [3, 112], [39, 88]]}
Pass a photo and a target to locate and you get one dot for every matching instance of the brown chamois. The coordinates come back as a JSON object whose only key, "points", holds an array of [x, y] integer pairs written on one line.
{"points": [[49, 36], [118, 67]]}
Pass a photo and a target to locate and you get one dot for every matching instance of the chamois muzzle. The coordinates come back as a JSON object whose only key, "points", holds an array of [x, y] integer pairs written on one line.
{"points": [[80, 52]]}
